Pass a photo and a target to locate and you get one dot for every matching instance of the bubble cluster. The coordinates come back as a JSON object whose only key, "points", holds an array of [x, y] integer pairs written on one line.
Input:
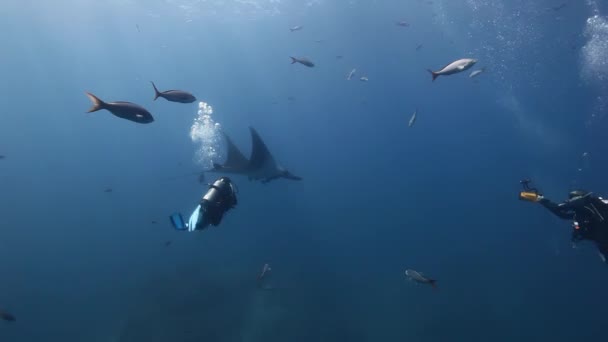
{"points": [[207, 133]]}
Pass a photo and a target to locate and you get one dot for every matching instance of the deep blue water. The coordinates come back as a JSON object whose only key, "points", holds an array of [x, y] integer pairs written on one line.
{"points": [[81, 264]]}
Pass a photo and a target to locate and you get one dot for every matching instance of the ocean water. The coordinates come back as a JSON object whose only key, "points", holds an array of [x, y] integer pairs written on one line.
{"points": [[80, 263]]}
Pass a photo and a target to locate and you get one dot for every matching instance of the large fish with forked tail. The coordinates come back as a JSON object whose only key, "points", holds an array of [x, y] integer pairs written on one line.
{"points": [[454, 67], [173, 95], [124, 110]]}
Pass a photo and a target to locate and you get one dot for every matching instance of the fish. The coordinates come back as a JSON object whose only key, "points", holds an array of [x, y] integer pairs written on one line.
{"points": [[108, 189], [168, 243], [296, 28], [124, 110], [402, 23], [303, 61], [319, 40], [2, 156], [418, 47], [559, 7], [351, 74], [420, 278], [454, 67], [261, 165], [7, 316], [339, 57], [477, 72], [174, 95], [363, 79], [413, 118], [153, 222], [201, 178], [137, 26], [265, 270]]}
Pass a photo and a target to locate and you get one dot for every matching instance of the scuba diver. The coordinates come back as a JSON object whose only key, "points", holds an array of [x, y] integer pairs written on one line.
{"points": [[588, 212], [219, 198]]}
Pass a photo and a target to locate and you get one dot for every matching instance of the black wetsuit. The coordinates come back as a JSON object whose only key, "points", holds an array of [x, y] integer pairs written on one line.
{"points": [[590, 214]]}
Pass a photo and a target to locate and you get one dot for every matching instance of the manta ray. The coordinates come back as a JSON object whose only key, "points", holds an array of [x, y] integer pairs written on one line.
{"points": [[260, 166]]}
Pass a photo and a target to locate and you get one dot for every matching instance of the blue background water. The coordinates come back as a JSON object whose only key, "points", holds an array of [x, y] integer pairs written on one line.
{"points": [[80, 264]]}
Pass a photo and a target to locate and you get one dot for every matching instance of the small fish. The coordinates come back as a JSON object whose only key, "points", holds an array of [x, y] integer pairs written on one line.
{"points": [[402, 23], [2, 156], [363, 79], [202, 178], [137, 26], [559, 7], [124, 110], [291, 98], [7, 316], [174, 95], [319, 40], [339, 57], [108, 189], [351, 74], [296, 28], [413, 118], [454, 67], [303, 61], [168, 243], [477, 72], [153, 222], [420, 278], [418, 47], [265, 270]]}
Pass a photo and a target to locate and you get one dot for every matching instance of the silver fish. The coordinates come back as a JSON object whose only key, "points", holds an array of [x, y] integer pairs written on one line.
{"points": [[364, 79], [454, 67], [477, 72], [303, 61], [420, 278], [412, 119], [296, 28], [351, 74]]}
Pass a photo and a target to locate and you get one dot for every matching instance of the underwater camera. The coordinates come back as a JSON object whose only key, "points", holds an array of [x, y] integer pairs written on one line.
{"points": [[528, 194]]}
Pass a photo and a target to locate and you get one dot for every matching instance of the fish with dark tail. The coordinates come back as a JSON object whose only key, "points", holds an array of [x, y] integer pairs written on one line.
{"points": [[420, 278], [7, 316], [303, 61], [124, 110], [173, 95]]}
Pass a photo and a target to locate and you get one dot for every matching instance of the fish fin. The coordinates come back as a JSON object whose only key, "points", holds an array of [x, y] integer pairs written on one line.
{"points": [[156, 92], [97, 103], [435, 75], [293, 60]]}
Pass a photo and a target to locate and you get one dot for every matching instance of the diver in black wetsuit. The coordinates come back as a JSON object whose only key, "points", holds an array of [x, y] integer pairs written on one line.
{"points": [[219, 198], [589, 215]]}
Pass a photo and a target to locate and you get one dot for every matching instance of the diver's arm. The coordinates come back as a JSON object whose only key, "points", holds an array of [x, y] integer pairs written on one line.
{"points": [[559, 210]]}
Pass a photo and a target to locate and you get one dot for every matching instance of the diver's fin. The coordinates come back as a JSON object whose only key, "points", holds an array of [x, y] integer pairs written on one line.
{"points": [[97, 103], [260, 155], [235, 159]]}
